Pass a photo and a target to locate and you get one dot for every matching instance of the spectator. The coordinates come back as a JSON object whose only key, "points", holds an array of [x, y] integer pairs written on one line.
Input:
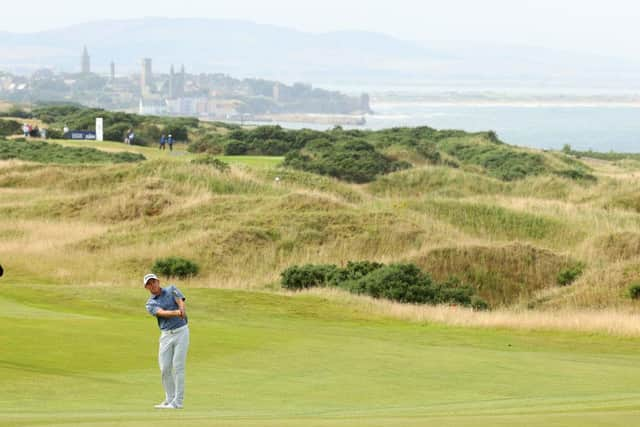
{"points": [[25, 130], [163, 139], [170, 140]]}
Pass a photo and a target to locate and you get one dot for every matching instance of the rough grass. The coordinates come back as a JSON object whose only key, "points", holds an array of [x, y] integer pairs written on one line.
{"points": [[243, 226], [530, 270], [42, 152]]}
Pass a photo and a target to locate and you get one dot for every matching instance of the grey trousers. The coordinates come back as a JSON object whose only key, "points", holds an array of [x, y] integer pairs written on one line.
{"points": [[172, 357]]}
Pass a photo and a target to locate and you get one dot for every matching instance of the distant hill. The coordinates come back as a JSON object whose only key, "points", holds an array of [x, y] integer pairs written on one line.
{"points": [[248, 49]]}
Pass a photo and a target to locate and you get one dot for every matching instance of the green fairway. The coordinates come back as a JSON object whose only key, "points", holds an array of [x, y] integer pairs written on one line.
{"points": [[87, 356], [179, 154], [254, 161]]}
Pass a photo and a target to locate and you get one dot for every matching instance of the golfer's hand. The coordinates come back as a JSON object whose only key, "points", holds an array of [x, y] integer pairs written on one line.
{"points": [[183, 313]]}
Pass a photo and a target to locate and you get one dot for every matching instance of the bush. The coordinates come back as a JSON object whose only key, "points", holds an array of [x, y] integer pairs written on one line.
{"points": [[479, 304], [351, 160], [19, 113], [355, 270], [570, 274], [404, 283], [576, 175], [175, 267], [53, 133], [307, 276], [10, 127], [236, 148], [634, 291], [502, 162], [116, 131]]}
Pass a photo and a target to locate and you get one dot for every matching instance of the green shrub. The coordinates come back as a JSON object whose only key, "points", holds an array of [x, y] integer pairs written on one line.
{"points": [[10, 127], [404, 283], [18, 112], [236, 148], [479, 304], [175, 267], [354, 270], [634, 291], [116, 131], [570, 274], [576, 175], [493, 137], [500, 161], [307, 276], [351, 160], [54, 133]]}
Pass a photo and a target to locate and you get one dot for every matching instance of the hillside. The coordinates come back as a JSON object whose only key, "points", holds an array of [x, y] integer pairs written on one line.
{"points": [[509, 238]]}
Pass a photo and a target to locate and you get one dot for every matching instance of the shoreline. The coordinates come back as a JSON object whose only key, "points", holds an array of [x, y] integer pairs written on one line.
{"points": [[314, 118], [506, 103]]}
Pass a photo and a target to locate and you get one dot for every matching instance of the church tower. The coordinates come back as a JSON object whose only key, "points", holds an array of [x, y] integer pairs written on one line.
{"points": [[146, 77], [172, 83], [85, 61]]}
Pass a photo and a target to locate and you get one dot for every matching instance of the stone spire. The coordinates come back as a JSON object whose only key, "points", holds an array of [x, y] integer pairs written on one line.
{"points": [[172, 83], [86, 61]]}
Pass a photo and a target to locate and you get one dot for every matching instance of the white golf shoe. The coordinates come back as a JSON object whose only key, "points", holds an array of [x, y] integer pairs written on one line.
{"points": [[163, 405]]}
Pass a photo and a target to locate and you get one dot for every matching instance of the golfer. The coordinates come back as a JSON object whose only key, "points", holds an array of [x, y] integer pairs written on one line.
{"points": [[167, 305]]}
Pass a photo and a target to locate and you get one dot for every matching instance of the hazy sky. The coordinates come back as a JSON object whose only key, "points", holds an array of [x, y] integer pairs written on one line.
{"points": [[606, 27]]}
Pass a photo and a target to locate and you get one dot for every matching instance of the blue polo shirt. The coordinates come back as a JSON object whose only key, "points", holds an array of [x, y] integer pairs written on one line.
{"points": [[166, 301]]}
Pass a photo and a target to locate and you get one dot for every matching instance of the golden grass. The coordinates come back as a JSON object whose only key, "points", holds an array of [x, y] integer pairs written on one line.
{"points": [[107, 224], [606, 321]]}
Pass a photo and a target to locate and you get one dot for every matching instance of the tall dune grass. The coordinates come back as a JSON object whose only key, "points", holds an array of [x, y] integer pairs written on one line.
{"points": [[605, 321], [106, 224]]}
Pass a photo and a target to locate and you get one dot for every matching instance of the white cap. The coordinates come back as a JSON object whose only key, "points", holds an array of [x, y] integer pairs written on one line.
{"points": [[148, 277]]}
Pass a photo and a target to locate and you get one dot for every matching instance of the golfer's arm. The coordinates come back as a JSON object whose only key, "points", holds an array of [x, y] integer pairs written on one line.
{"points": [[167, 313]]}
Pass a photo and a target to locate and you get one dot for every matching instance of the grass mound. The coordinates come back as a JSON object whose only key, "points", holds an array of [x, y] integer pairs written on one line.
{"points": [[243, 226], [42, 152], [491, 220], [629, 200], [437, 181], [502, 275], [619, 246]]}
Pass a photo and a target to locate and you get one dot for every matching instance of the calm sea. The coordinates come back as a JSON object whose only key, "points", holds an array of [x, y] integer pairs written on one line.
{"points": [[601, 128]]}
